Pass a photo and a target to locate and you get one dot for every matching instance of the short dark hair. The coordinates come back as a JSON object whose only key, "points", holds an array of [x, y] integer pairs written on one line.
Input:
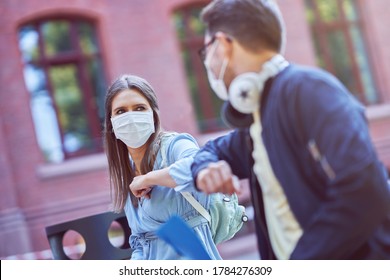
{"points": [[255, 24]]}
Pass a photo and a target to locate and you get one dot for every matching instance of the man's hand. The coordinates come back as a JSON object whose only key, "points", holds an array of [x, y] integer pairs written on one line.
{"points": [[218, 177]]}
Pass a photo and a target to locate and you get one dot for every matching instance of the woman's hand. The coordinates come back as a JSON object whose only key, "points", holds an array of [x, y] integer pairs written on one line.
{"points": [[140, 187], [143, 184]]}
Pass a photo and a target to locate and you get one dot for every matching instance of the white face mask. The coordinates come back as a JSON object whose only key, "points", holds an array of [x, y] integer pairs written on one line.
{"points": [[217, 85], [133, 128]]}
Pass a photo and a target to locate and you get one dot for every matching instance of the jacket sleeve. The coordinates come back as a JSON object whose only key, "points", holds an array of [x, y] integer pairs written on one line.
{"points": [[180, 153], [232, 148], [356, 196]]}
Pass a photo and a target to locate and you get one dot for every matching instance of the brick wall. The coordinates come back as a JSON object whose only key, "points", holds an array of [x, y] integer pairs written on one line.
{"points": [[137, 37]]}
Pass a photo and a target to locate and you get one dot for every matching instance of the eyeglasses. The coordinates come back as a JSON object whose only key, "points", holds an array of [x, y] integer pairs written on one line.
{"points": [[203, 50]]}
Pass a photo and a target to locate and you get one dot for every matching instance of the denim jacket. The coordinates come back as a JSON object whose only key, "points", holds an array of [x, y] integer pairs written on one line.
{"points": [[165, 202]]}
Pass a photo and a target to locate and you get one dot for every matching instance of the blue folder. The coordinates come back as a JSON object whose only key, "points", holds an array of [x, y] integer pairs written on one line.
{"points": [[183, 239]]}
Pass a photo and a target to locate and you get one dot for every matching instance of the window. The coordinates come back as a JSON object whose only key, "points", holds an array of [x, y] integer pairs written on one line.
{"points": [[63, 74], [190, 31], [337, 30]]}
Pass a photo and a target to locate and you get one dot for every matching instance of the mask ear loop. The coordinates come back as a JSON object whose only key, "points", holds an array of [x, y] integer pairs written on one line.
{"points": [[212, 51], [112, 132], [225, 63]]}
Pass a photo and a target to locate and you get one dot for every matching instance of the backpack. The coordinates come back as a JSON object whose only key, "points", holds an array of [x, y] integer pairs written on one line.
{"points": [[225, 216]]}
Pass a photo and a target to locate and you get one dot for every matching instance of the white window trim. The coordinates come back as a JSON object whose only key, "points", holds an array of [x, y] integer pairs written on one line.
{"points": [[73, 166]]}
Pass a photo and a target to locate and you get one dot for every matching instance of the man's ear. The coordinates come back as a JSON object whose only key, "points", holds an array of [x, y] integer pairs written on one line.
{"points": [[226, 43]]}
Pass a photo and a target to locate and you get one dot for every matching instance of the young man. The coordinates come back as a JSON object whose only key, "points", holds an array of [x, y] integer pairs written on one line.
{"points": [[320, 191]]}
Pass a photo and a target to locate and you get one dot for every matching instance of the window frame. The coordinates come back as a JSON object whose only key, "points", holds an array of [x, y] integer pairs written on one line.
{"points": [[80, 60], [322, 29], [208, 118]]}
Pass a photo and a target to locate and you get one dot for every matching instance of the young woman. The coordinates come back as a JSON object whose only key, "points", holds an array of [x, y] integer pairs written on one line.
{"points": [[141, 184]]}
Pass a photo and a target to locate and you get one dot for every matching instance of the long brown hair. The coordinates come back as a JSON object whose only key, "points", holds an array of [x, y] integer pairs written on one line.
{"points": [[121, 170]]}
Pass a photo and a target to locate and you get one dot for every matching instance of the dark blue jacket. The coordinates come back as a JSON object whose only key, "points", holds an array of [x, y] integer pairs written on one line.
{"points": [[319, 146]]}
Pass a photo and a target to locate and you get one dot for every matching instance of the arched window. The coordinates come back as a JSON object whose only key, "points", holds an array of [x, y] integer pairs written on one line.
{"points": [[63, 73], [190, 32], [337, 30]]}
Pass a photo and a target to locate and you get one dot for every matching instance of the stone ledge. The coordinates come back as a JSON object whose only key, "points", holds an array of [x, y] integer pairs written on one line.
{"points": [[69, 167], [377, 112]]}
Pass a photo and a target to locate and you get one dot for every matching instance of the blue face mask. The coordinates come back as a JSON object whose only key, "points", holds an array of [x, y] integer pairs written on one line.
{"points": [[133, 128]]}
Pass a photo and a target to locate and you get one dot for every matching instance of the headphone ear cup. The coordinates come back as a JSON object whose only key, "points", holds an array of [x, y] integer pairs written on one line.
{"points": [[244, 92], [233, 118]]}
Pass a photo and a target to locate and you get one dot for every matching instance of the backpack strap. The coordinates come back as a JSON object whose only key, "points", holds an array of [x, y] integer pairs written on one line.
{"points": [[198, 207], [187, 195], [164, 144]]}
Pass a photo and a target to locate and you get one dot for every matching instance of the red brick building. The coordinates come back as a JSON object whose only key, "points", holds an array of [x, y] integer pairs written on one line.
{"points": [[57, 58]]}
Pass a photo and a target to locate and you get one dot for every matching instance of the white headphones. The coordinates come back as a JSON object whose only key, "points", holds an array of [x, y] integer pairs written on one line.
{"points": [[245, 89]]}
